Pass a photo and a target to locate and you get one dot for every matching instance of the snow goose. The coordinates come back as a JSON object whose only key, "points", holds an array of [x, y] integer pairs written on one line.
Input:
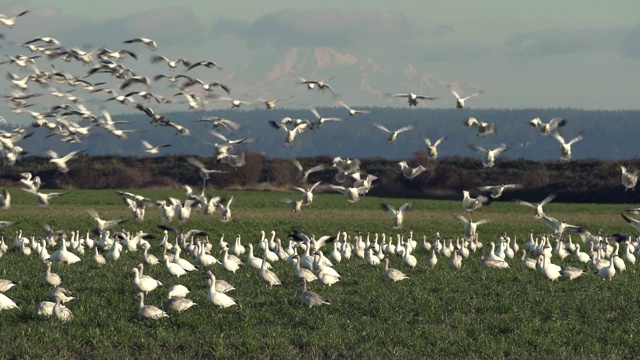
{"points": [[307, 194], [310, 298], [61, 312], [484, 128], [10, 21], [352, 112], [407, 258], [6, 303], [216, 297], [97, 257], [204, 259], [149, 311], [45, 308], [470, 226], [547, 128], [271, 104], [268, 277], [470, 204], [217, 122], [393, 274], [432, 149], [413, 98], [398, 215], [571, 273], [150, 43], [185, 264], [497, 190], [321, 120], [455, 261], [608, 272], [173, 268], [489, 155], [50, 278], [559, 227], [565, 147], [393, 135], [64, 255], [254, 261], [150, 149], [221, 285], [527, 262], [408, 172], [63, 294], [352, 193], [5, 285], [629, 179], [145, 284], [537, 209], [61, 162], [237, 248], [102, 225], [178, 304], [493, 263], [44, 198], [460, 100], [225, 210], [5, 200], [229, 264], [319, 84], [548, 270]]}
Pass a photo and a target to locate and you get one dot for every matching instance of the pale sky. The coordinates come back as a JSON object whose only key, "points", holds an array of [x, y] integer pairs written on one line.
{"points": [[542, 54]]}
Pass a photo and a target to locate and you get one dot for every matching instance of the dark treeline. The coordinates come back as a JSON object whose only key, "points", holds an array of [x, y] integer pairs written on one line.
{"points": [[584, 180]]}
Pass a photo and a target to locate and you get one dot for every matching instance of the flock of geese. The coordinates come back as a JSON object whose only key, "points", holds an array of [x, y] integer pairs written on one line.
{"points": [[71, 120]]}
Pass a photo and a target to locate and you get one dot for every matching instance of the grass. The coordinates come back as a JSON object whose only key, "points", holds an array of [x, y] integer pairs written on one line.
{"points": [[438, 313]]}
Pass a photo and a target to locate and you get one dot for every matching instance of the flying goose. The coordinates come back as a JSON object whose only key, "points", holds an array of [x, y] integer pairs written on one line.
{"points": [[413, 98], [271, 104], [547, 128], [319, 84], [471, 204], [393, 135], [471, 226], [150, 43], [304, 174], [559, 227], [565, 147], [484, 128], [629, 179], [61, 162], [537, 209], [398, 215], [633, 222], [207, 86], [307, 194], [432, 149], [460, 100], [352, 112], [217, 121], [148, 148], [352, 193], [489, 155], [497, 190], [206, 63], [43, 199], [409, 172], [321, 120], [11, 20], [5, 199]]}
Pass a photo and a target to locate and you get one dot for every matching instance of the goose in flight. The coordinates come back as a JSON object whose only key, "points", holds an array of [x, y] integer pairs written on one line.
{"points": [[393, 135], [559, 227], [352, 112], [290, 133], [235, 103], [225, 210], [5, 199], [413, 98], [304, 174], [319, 84], [321, 120], [140, 79], [352, 193], [408, 172], [296, 205], [470, 227], [497, 190], [61, 162], [43, 199], [204, 172], [150, 43], [398, 215], [460, 100], [484, 128], [102, 225], [206, 63], [629, 179], [489, 155], [217, 122], [148, 148], [470, 204], [565, 147], [207, 86], [271, 104], [537, 209], [633, 222], [432, 149], [10, 21], [307, 194], [547, 128]]}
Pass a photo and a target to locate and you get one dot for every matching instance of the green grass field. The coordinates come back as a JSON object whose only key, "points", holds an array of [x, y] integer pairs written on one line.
{"points": [[473, 312]]}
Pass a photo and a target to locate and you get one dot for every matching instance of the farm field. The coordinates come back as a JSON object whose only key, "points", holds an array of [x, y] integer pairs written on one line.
{"points": [[473, 312]]}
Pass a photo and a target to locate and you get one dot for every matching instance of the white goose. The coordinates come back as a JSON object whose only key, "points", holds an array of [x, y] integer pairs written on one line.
{"points": [[470, 227], [608, 272], [432, 149], [5, 285], [393, 274], [352, 193], [460, 100], [50, 278], [150, 43], [149, 311], [310, 298], [629, 179], [547, 128], [268, 277], [398, 215], [470, 204], [393, 135], [173, 268], [60, 312], [484, 128], [61, 162], [489, 155], [145, 284], [10, 21], [497, 190], [565, 147], [229, 264], [413, 98], [537, 209], [218, 298], [6, 303], [410, 173], [64, 255], [307, 194]]}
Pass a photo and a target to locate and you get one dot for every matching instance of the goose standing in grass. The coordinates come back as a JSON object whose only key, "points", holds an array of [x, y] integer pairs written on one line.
{"points": [[218, 298], [229, 264], [571, 273], [608, 272], [50, 278], [460, 100], [497, 190], [549, 127], [45, 308], [565, 147], [410, 173], [489, 155], [60, 311], [548, 270], [493, 263], [149, 311], [302, 273], [268, 277], [221, 285], [146, 284], [97, 257], [173, 268], [537, 209], [178, 291], [629, 179], [63, 255], [398, 215], [63, 294], [225, 210], [393, 274], [6, 303], [178, 304], [432, 149], [254, 261], [393, 135], [484, 128], [527, 262], [310, 298]]}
